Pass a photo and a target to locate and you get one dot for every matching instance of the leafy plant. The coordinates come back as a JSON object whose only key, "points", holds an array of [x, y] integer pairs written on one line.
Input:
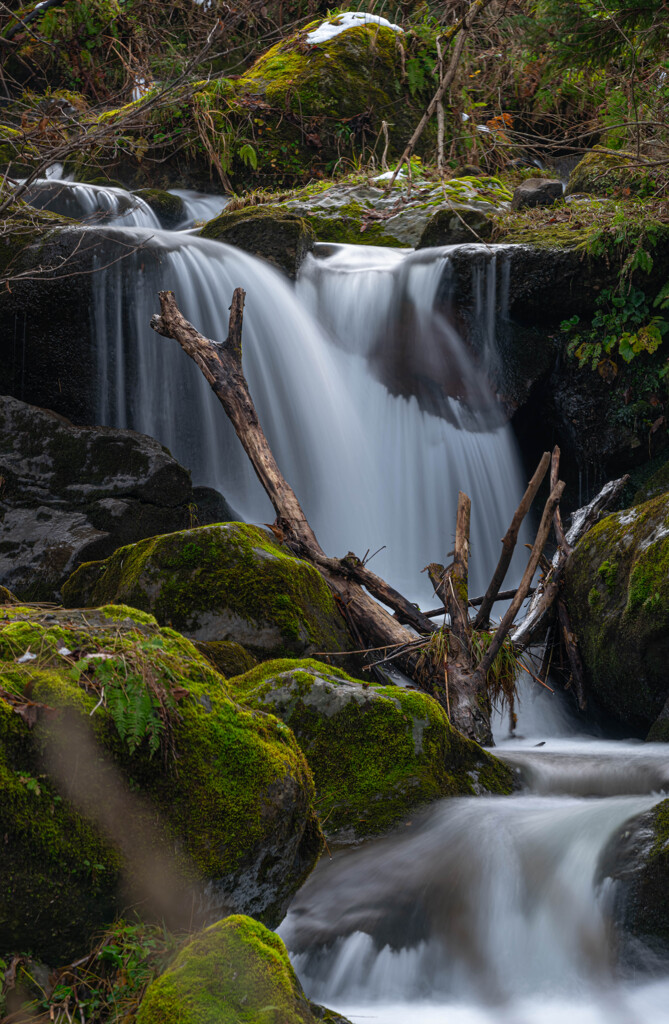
{"points": [[622, 326]]}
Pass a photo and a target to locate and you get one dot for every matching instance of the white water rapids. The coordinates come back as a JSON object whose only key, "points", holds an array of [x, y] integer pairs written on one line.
{"points": [[489, 910]]}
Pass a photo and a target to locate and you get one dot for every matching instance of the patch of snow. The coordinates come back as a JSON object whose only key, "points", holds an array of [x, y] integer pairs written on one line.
{"points": [[625, 518], [64, 651], [350, 19], [26, 657], [387, 175]]}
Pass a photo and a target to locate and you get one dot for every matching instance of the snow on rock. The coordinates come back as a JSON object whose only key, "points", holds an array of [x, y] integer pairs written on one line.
{"points": [[329, 29]]}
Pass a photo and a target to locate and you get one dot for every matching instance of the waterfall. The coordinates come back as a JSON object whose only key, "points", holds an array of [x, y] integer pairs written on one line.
{"points": [[375, 461]]}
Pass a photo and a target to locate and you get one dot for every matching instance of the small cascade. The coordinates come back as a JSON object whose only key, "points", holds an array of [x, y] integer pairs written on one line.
{"points": [[490, 910], [91, 204], [199, 207], [372, 462]]}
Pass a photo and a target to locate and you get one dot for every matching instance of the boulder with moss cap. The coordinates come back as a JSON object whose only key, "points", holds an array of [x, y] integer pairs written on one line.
{"points": [[235, 970], [227, 582], [617, 591], [221, 794], [376, 752]]}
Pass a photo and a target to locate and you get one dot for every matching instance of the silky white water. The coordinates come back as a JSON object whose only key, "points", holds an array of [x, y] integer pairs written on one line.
{"points": [[371, 466], [489, 910]]}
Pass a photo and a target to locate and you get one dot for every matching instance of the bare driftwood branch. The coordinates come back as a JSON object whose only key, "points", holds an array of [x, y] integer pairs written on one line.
{"points": [[526, 582], [534, 623], [476, 602], [509, 543], [563, 543]]}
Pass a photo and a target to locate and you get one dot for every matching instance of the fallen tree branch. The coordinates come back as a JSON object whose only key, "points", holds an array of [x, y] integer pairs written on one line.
{"points": [[509, 543]]}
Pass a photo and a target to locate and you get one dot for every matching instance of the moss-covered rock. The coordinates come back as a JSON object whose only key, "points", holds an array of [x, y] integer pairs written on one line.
{"points": [[235, 970], [225, 582], [637, 860], [617, 590], [229, 803], [604, 173], [168, 208], [360, 211], [376, 751], [282, 238], [6, 596], [227, 657]]}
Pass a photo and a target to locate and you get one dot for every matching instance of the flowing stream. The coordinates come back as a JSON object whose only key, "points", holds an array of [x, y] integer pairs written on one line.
{"points": [[489, 910]]}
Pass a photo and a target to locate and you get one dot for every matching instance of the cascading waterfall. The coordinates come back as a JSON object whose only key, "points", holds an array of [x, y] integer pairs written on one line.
{"points": [[372, 466], [480, 910]]}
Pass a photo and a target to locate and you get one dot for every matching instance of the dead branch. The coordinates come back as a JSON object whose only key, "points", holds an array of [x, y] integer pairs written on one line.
{"points": [[509, 543]]}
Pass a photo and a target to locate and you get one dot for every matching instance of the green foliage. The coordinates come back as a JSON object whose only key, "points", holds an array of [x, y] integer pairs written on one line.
{"points": [[622, 326], [108, 984]]}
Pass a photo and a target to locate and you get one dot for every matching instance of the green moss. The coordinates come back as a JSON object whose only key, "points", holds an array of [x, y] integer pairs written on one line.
{"points": [[227, 657], [604, 174], [223, 582], [123, 613], [6, 596], [376, 751], [168, 208], [237, 792], [609, 572], [237, 971], [617, 588]]}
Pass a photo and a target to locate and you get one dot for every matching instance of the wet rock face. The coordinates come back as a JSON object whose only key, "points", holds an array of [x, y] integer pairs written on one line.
{"points": [[637, 862], [230, 582], [536, 192], [281, 238], [617, 591], [71, 494], [220, 818]]}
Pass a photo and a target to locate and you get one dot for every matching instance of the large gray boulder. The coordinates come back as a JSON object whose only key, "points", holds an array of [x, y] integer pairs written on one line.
{"points": [[536, 192], [71, 494]]}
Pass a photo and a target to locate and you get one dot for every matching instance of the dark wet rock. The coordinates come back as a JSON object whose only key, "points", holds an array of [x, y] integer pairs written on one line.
{"points": [[71, 494], [656, 484], [231, 582], [453, 226], [169, 209], [536, 192], [216, 816], [636, 860], [617, 592], [280, 237]]}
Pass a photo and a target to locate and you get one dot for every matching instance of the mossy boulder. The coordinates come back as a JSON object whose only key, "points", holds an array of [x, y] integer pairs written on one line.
{"points": [[221, 794], [168, 208], [225, 582], [282, 238], [376, 752], [361, 211], [617, 591], [235, 970], [637, 860], [602, 173]]}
